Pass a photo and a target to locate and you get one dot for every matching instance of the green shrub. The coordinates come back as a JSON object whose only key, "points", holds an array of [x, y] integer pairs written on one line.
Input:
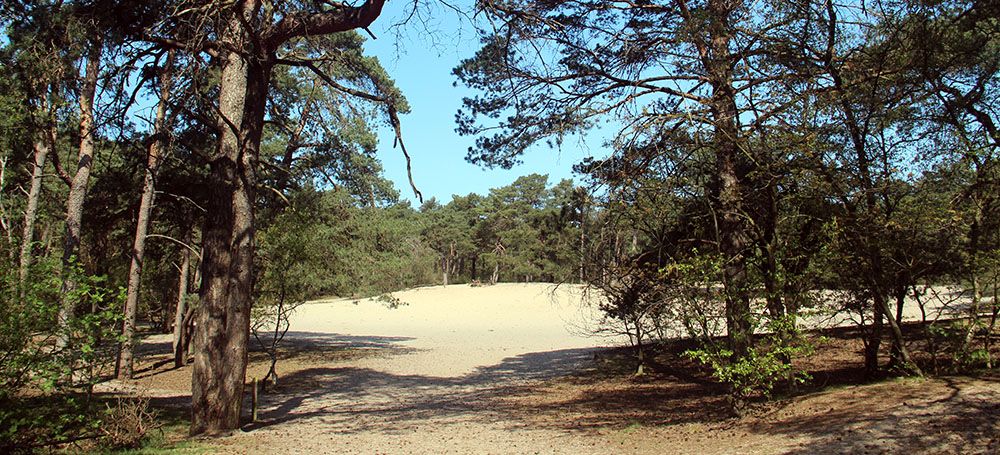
{"points": [[47, 369], [758, 371]]}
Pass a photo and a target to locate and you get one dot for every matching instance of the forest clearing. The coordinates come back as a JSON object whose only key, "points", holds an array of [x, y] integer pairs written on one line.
{"points": [[499, 226], [460, 369]]}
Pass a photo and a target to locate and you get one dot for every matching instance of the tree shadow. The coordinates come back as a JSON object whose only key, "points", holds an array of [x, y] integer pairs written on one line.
{"points": [[156, 357], [316, 346], [568, 389], [941, 416]]}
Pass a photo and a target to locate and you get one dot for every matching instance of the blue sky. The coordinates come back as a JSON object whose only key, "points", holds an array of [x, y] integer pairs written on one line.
{"points": [[421, 65]]}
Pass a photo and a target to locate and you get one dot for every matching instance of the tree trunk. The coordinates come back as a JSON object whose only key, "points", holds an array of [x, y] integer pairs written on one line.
{"points": [[773, 294], [227, 266], [874, 339], [905, 362], [246, 57], [973, 266], [78, 187], [729, 176], [157, 144], [583, 256], [180, 324], [31, 211], [896, 357], [880, 307]]}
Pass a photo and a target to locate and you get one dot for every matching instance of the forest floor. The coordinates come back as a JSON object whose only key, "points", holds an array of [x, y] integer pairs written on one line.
{"points": [[516, 368]]}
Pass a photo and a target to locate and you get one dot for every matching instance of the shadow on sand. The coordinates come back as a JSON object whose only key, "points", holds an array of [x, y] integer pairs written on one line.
{"points": [[950, 419], [521, 391]]}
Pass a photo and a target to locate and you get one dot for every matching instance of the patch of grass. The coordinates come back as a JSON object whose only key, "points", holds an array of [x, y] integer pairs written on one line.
{"points": [[632, 427]]}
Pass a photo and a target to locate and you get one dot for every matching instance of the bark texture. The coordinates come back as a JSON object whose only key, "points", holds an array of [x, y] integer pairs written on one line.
{"points": [[41, 151], [180, 345], [223, 317], [729, 174], [80, 181]]}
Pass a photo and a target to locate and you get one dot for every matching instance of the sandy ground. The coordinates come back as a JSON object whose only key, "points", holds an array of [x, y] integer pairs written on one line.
{"points": [[455, 331], [433, 371], [513, 368]]}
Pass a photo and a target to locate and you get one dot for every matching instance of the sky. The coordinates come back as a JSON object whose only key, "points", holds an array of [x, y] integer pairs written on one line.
{"points": [[420, 57]]}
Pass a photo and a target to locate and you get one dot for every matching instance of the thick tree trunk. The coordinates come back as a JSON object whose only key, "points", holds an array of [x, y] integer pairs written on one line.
{"points": [[227, 266], [180, 311], [223, 317], [729, 176], [78, 187], [227, 263], [157, 145], [31, 210]]}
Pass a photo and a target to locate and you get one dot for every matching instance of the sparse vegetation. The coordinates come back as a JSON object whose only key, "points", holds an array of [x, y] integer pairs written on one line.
{"points": [[206, 168]]}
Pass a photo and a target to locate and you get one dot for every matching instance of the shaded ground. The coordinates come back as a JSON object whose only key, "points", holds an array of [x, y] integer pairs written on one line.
{"points": [[397, 393]]}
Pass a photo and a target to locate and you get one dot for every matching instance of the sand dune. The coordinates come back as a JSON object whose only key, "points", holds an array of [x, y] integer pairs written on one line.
{"points": [[455, 330]]}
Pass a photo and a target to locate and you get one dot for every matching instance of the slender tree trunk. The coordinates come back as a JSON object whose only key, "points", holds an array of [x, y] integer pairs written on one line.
{"points": [[988, 339], [880, 307], [874, 339], [905, 361], [973, 265], [78, 187], [775, 306], [900, 357], [157, 145], [31, 211], [180, 324]]}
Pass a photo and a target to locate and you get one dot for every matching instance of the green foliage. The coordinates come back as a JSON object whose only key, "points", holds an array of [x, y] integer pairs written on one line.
{"points": [[758, 371], [44, 388], [390, 301], [33, 422], [326, 243], [948, 339]]}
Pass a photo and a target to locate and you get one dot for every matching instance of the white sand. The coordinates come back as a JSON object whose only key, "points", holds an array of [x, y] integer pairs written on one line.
{"points": [[439, 365], [441, 360], [456, 330]]}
